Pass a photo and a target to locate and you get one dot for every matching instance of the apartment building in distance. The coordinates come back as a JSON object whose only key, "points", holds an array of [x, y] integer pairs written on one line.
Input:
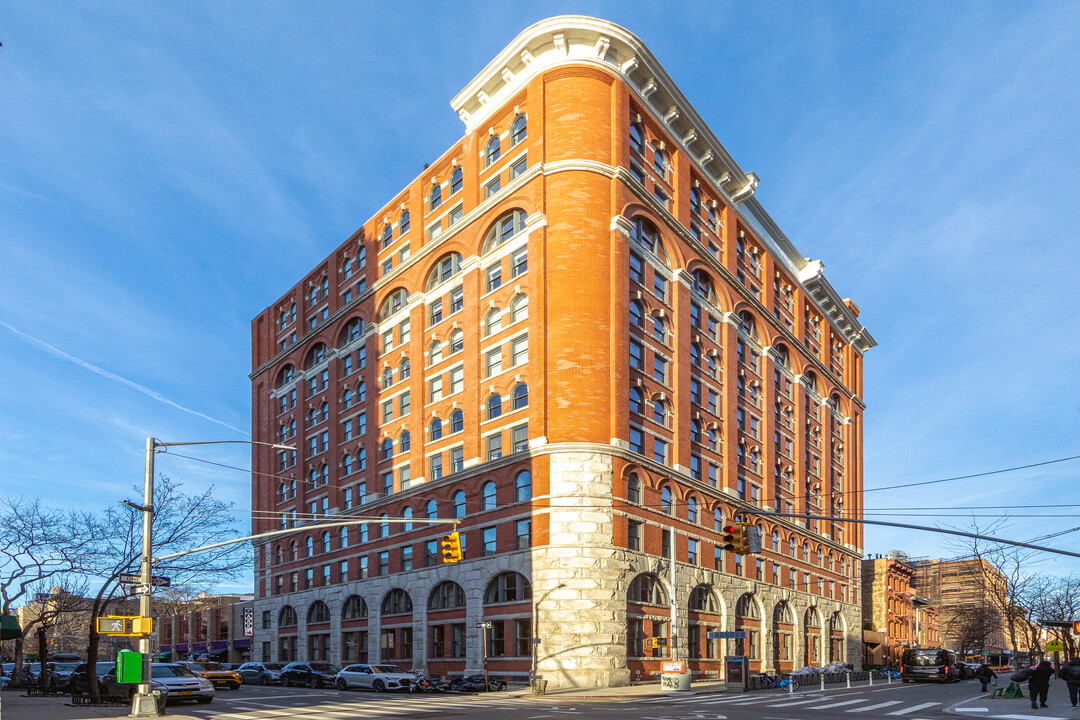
{"points": [[579, 334], [891, 606], [964, 590], [215, 627]]}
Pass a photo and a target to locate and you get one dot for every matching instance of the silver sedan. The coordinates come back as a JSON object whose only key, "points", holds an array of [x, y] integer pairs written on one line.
{"points": [[379, 678]]}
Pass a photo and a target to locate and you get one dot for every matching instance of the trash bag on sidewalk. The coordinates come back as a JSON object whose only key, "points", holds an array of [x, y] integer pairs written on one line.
{"points": [[1013, 691]]}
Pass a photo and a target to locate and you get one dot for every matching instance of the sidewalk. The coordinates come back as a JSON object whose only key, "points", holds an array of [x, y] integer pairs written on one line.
{"points": [[628, 691], [15, 705]]}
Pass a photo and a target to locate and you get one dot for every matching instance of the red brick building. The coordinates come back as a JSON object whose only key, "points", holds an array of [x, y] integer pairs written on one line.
{"points": [[578, 332]]}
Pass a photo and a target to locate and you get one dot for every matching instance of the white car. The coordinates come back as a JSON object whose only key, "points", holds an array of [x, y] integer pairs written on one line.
{"points": [[379, 678]]}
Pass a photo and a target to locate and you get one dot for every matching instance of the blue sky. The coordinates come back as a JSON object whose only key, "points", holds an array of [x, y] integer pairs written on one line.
{"points": [[168, 169]]}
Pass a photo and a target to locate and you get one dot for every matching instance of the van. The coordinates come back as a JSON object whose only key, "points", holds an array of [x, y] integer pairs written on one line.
{"points": [[929, 664]]}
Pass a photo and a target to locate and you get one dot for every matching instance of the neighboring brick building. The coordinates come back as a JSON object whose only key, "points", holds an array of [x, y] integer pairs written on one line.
{"points": [[968, 593], [579, 332], [209, 626], [891, 607]]}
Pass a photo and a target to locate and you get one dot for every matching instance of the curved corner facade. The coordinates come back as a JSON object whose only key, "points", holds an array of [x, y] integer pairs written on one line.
{"points": [[578, 334]]}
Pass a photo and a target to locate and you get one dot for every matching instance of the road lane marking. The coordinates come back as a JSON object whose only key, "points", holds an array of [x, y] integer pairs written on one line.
{"points": [[876, 707], [796, 702], [839, 704], [914, 708]]}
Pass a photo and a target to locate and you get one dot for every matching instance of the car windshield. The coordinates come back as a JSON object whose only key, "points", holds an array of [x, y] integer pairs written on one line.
{"points": [[167, 671], [922, 657], [325, 667], [66, 666], [273, 666], [208, 666], [387, 669]]}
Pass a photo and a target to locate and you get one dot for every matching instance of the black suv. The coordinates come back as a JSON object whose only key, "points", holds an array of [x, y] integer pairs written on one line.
{"points": [[310, 674]]}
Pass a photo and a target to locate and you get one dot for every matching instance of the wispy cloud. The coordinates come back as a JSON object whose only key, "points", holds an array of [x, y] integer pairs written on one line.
{"points": [[57, 352]]}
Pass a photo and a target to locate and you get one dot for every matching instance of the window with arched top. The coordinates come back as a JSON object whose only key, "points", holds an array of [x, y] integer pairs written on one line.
{"points": [[405, 441], [507, 587], [506, 227], [637, 314], [316, 356], [782, 357], [459, 504], [457, 341], [287, 617], [387, 235], [448, 267], [354, 608], [436, 429], [494, 406], [813, 619], [520, 397], [457, 421], [746, 608], [318, 613], [519, 308], [487, 496], [660, 162], [435, 197], [692, 510], [523, 486], [394, 303], [404, 368], [403, 223], [407, 526], [645, 234], [695, 356], [702, 599], [384, 525], [285, 376], [344, 537], [695, 431], [456, 180], [279, 555], [310, 541], [518, 130], [747, 326], [782, 614], [659, 329], [492, 322], [435, 352], [387, 377], [386, 450], [637, 138], [718, 520], [695, 201], [492, 150], [665, 501], [633, 488], [659, 412], [637, 401], [646, 589], [293, 550], [703, 286], [447, 595], [396, 602], [326, 541], [431, 509], [351, 332]]}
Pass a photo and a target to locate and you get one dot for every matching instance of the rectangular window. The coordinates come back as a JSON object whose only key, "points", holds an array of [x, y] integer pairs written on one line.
{"points": [[637, 441], [387, 265], [637, 172], [388, 482], [493, 362], [435, 467], [488, 542], [695, 392], [659, 286], [519, 438], [457, 379], [519, 262], [406, 558], [434, 231], [659, 450], [637, 269], [522, 534], [347, 365], [493, 277], [435, 312], [714, 401], [494, 446], [695, 467], [665, 543], [404, 403], [363, 569], [387, 340], [692, 551], [637, 355], [457, 296], [457, 459], [361, 358], [387, 411], [659, 369], [519, 350], [403, 253], [454, 216], [492, 187], [403, 331], [404, 477], [431, 553], [384, 563], [633, 535], [435, 389], [518, 168]]}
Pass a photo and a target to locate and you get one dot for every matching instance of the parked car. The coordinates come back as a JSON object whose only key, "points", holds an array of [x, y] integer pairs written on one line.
{"points": [[78, 683], [310, 674], [174, 681], [215, 673], [258, 673], [61, 674], [374, 677], [929, 664]]}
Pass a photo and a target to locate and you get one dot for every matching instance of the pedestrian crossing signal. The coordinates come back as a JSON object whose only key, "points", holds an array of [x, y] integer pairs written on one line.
{"points": [[451, 548], [1076, 627], [656, 642]]}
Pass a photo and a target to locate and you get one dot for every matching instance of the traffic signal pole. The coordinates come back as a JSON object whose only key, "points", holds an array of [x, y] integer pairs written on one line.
{"points": [[142, 702], [673, 644]]}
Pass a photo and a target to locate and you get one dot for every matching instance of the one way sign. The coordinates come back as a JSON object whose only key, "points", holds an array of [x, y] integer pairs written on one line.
{"points": [[155, 580]]}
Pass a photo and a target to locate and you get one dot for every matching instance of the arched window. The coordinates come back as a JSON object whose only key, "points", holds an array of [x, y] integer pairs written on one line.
{"points": [[457, 421], [637, 138], [436, 429], [747, 325], [518, 130], [695, 355], [659, 412], [703, 286], [387, 449], [435, 352], [665, 501], [637, 401], [351, 332], [279, 555], [435, 197], [457, 341], [384, 526], [646, 589], [310, 546], [747, 608], [519, 308], [396, 602], [361, 458], [487, 496], [520, 397], [344, 537], [456, 178], [637, 314], [717, 520], [316, 356], [405, 441], [492, 322], [447, 267], [404, 368], [446, 595], [782, 357], [507, 587], [393, 303], [387, 377], [403, 223], [633, 488], [782, 614], [347, 398], [431, 509], [691, 510], [492, 150], [407, 514], [645, 234], [318, 613], [387, 235], [660, 162], [354, 608], [659, 329], [293, 550], [695, 201], [494, 406], [504, 228], [459, 504], [813, 619], [326, 542], [703, 600], [714, 439], [695, 431], [523, 486], [287, 617]]}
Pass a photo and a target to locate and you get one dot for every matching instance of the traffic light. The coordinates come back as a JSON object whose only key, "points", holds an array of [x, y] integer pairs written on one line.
{"points": [[451, 548], [742, 539], [1076, 627], [728, 538]]}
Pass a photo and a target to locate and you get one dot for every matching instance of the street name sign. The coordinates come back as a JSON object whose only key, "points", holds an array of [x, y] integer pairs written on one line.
{"points": [[155, 580]]}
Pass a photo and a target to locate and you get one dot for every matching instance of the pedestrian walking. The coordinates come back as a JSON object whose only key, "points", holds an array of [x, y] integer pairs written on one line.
{"points": [[984, 675], [1039, 684], [1070, 673]]}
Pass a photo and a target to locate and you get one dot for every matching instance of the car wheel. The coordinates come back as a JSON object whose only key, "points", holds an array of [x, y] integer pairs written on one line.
{"points": [[313, 682], [341, 684], [378, 686], [264, 681], [234, 686], [203, 700]]}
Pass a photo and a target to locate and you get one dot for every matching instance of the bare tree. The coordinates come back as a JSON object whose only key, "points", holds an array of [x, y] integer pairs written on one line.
{"points": [[180, 522], [52, 604]]}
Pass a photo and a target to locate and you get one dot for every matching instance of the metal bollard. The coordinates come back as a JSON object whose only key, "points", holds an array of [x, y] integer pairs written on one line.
{"points": [[790, 686], [870, 674], [888, 675], [823, 682], [847, 676]]}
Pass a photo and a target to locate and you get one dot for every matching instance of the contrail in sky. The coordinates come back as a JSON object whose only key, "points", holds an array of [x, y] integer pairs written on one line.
{"points": [[113, 376]]}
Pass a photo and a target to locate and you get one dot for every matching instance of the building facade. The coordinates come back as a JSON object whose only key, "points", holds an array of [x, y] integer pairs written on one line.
{"points": [[969, 594], [579, 334], [217, 627], [892, 608]]}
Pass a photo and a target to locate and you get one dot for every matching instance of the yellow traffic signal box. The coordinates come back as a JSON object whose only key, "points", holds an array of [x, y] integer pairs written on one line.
{"points": [[451, 548], [125, 625]]}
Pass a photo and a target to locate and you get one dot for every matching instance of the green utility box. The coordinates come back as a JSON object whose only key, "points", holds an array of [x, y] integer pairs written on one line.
{"points": [[129, 667]]}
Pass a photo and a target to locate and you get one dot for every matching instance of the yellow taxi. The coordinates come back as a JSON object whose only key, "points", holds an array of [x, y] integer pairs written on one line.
{"points": [[216, 673]]}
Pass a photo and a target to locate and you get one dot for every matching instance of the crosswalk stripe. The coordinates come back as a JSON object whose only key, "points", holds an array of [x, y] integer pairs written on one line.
{"points": [[890, 703], [914, 708], [796, 702], [839, 704]]}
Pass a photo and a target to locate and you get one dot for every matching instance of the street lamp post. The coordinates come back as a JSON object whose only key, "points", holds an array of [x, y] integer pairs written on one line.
{"points": [[143, 703]]}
